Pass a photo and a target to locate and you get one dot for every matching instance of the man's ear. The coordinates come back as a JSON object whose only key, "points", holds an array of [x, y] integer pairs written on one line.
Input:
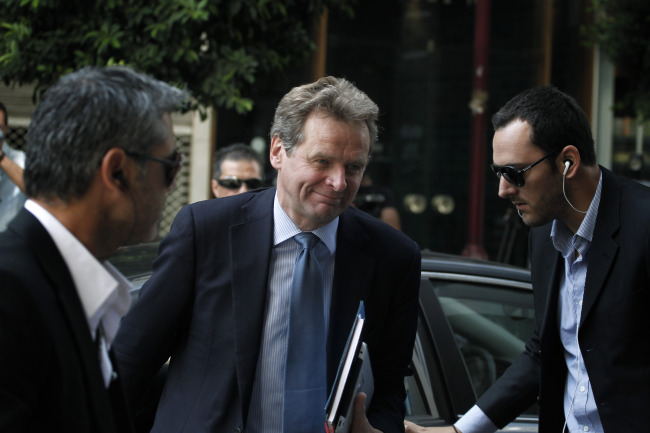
{"points": [[277, 152], [571, 155], [215, 187], [114, 168]]}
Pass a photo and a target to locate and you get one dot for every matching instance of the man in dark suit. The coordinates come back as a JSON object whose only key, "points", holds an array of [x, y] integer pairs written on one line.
{"points": [[100, 161], [218, 300], [587, 361]]}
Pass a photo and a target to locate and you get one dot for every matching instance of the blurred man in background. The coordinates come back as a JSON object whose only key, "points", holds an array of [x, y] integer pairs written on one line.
{"points": [[12, 161], [237, 168], [378, 201]]}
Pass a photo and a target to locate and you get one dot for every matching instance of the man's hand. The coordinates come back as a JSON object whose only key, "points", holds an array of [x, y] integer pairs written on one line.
{"points": [[360, 423], [409, 427]]}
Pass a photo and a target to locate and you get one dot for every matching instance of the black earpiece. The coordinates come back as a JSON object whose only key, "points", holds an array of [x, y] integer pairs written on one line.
{"points": [[120, 176], [567, 164]]}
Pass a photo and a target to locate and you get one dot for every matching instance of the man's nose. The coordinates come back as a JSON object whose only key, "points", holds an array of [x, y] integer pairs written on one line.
{"points": [[336, 178], [506, 189]]}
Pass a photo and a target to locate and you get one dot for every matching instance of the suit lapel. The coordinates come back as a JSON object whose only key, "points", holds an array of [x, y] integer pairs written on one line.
{"points": [[53, 266], [117, 399], [353, 271], [604, 248], [251, 243], [553, 265]]}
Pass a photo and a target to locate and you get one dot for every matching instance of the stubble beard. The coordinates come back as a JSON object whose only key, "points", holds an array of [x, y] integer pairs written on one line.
{"points": [[549, 207]]}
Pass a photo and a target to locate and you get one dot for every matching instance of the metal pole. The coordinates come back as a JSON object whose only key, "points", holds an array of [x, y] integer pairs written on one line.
{"points": [[474, 246]]}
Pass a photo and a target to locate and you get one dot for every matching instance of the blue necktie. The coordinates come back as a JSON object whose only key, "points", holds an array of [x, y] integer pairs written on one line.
{"points": [[305, 377]]}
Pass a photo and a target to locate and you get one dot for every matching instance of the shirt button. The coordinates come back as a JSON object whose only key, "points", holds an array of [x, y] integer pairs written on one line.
{"points": [[582, 389], [580, 302], [586, 428]]}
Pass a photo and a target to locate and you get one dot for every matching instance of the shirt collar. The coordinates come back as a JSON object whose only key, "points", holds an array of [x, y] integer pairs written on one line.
{"points": [[284, 228], [101, 287], [564, 241]]}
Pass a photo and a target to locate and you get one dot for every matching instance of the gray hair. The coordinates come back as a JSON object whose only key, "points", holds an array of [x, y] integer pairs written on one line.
{"points": [[235, 152], [85, 114], [332, 96]]}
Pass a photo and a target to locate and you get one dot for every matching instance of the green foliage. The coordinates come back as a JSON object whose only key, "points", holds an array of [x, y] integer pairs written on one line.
{"points": [[216, 49], [622, 29]]}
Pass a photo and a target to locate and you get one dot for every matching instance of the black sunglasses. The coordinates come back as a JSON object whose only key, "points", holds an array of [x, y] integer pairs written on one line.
{"points": [[513, 175], [172, 164], [233, 182]]}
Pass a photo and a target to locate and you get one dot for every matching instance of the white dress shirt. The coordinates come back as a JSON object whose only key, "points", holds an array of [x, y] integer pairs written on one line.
{"points": [[103, 291]]}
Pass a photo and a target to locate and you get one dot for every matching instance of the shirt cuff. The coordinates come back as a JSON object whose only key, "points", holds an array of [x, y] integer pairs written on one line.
{"points": [[475, 421]]}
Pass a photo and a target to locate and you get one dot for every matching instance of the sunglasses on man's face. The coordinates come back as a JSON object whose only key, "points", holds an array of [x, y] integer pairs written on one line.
{"points": [[233, 182], [172, 164], [515, 176]]}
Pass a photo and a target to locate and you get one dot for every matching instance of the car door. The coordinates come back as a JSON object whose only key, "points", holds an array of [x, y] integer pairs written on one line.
{"points": [[471, 327]]}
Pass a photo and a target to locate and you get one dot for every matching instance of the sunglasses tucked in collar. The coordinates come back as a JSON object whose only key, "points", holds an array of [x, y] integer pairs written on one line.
{"points": [[172, 164], [515, 176], [233, 182]]}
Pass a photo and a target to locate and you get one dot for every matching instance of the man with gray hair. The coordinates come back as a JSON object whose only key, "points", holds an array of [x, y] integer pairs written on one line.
{"points": [[100, 160], [222, 301]]}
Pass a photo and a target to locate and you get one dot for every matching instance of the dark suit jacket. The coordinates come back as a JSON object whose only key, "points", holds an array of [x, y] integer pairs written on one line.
{"points": [[50, 379], [204, 306], [613, 334]]}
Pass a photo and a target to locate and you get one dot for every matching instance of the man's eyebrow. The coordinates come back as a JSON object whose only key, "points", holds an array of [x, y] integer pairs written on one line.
{"points": [[318, 155], [322, 155]]}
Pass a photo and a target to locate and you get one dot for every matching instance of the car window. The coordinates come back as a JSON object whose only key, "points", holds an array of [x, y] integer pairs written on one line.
{"points": [[491, 325]]}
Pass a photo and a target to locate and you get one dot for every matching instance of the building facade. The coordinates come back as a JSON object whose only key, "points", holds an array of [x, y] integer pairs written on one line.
{"points": [[415, 58]]}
